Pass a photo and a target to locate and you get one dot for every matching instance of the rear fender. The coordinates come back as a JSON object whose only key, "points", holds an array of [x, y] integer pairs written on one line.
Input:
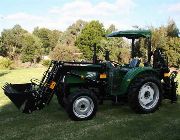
{"points": [[131, 75]]}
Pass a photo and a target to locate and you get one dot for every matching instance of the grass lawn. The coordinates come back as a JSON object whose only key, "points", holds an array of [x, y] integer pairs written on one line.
{"points": [[111, 122]]}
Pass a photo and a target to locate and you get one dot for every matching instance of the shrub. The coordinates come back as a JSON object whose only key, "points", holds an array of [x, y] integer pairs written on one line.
{"points": [[31, 49], [46, 62], [65, 53], [5, 63]]}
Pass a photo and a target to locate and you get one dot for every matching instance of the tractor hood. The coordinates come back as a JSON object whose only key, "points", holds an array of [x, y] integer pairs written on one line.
{"points": [[131, 34]]}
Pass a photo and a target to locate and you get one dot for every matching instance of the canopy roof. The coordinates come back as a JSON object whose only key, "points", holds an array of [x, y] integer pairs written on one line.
{"points": [[130, 34]]}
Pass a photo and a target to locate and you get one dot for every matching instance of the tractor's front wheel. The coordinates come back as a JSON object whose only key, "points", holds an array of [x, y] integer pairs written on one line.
{"points": [[82, 105], [145, 94]]}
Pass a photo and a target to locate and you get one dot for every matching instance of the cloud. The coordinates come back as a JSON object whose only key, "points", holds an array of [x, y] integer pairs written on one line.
{"points": [[173, 11], [174, 7], [86, 10], [60, 17], [22, 16]]}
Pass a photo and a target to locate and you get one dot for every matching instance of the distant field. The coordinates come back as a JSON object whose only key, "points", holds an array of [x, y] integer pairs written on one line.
{"points": [[110, 123]]}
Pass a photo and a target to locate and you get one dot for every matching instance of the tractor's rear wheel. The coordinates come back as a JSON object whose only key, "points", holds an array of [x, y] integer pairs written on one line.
{"points": [[145, 94], [82, 105]]}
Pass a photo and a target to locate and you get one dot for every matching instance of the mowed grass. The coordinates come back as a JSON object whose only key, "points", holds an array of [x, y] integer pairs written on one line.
{"points": [[111, 122]]}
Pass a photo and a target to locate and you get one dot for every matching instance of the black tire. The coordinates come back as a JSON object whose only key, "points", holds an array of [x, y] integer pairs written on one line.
{"points": [[75, 98], [136, 92]]}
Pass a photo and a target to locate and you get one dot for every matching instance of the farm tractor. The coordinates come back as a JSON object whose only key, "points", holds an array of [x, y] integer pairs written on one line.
{"points": [[81, 86]]}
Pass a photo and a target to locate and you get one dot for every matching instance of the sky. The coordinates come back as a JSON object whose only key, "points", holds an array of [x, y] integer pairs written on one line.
{"points": [[59, 14]]}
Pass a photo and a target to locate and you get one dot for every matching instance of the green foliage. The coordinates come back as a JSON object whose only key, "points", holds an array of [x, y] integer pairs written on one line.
{"points": [[92, 34], [141, 49], [112, 28], [65, 53], [15, 44], [68, 38], [46, 63], [53, 37], [49, 38], [11, 42], [65, 49], [31, 51], [116, 46], [124, 56], [161, 38], [172, 30], [173, 51], [5, 63], [2, 49]]}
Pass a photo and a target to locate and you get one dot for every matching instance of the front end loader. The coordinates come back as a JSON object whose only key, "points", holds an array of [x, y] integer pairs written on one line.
{"points": [[81, 86]]}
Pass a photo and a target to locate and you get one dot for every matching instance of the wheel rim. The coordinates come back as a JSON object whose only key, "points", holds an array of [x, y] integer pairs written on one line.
{"points": [[83, 107], [148, 95]]}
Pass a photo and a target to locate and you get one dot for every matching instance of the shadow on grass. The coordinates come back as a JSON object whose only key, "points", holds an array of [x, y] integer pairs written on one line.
{"points": [[3, 73], [51, 112], [55, 112], [53, 122]]}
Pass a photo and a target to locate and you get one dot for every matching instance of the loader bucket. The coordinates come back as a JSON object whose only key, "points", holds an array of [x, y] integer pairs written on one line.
{"points": [[22, 96]]}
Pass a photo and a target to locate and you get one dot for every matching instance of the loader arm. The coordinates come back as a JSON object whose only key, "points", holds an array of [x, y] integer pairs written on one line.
{"points": [[37, 94], [33, 96]]}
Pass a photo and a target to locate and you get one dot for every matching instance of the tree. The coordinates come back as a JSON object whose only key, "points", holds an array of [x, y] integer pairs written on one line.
{"points": [[172, 30], [2, 49], [32, 48], [112, 28], [68, 38], [43, 34], [124, 56], [65, 53], [11, 42], [174, 51], [92, 34], [141, 47], [53, 37], [49, 38], [165, 38], [115, 46], [159, 38]]}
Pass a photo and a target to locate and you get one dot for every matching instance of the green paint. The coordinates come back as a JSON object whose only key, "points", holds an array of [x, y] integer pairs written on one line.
{"points": [[132, 34], [73, 79], [131, 74]]}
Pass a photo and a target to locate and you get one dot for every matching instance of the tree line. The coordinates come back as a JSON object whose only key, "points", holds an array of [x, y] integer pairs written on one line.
{"points": [[75, 43]]}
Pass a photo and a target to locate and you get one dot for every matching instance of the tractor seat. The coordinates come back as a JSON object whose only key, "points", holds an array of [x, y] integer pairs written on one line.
{"points": [[134, 62]]}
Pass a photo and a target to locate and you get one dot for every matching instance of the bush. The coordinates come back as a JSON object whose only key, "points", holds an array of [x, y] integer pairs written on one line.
{"points": [[65, 53], [46, 62], [31, 49], [5, 63]]}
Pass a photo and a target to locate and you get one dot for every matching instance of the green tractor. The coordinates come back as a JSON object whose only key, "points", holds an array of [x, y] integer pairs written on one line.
{"points": [[81, 86]]}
